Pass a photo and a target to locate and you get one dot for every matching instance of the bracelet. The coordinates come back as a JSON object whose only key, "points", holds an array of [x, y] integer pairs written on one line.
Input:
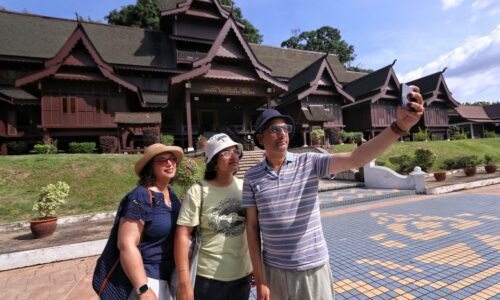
{"points": [[397, 130]]}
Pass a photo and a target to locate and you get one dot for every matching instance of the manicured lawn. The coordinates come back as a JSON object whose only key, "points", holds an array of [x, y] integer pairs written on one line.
{"points": [[97, 181], [443, 149]]}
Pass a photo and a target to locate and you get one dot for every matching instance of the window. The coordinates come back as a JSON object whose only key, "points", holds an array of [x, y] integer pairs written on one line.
{"points": [[101, 105], [65, 104], [73, 105]]}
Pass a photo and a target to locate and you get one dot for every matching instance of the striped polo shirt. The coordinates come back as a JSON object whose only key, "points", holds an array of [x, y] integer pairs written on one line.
{"points": [[288, 210]]}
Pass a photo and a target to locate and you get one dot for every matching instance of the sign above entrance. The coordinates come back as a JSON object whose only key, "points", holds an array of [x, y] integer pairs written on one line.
{"points": [[227, 90]]}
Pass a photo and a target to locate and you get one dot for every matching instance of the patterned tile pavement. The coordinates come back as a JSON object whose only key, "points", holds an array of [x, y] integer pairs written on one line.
{"points": [[445, 248], [412, 247], [356, 195]]}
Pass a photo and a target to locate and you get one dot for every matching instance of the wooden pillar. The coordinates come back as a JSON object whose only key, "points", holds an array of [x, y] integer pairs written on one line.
{"points": [[268, 101], [3, 149], [472, 131], [188, 118], [304, 136]]}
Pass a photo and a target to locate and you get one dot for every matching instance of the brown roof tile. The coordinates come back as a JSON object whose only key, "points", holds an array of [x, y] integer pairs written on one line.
{"points": [[472, 113], [287, 63], [42, 37]]}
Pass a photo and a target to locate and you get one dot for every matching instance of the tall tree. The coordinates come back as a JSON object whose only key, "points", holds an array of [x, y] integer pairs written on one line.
{"points": [[250, 33], [144, 14], [324, 39]]}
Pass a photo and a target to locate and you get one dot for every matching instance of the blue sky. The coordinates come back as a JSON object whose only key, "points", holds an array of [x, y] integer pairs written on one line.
{"points": [[424, 36]]}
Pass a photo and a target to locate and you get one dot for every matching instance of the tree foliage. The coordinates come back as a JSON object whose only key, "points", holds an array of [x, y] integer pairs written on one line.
{"points": [[250, 33], [481, 103], [144, 14], [325, 39]]}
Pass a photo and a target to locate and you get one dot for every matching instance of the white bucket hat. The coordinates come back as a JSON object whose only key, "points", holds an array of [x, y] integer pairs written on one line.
{"points": [[217, 143]]}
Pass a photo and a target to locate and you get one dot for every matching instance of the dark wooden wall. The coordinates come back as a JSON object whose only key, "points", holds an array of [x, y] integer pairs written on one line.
{"points": [[74, 104]]}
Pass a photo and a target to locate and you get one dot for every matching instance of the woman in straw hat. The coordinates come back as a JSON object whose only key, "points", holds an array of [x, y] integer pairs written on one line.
{"points": [[147, 224], [223, 262]]}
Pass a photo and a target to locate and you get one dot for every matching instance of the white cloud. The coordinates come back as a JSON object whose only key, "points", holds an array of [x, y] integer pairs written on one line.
{"points": [[483, 4], [447, 4], [473, 67]]}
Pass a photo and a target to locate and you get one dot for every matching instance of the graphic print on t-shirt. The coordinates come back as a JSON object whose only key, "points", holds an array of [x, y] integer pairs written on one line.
{"points": [[228, 218]]}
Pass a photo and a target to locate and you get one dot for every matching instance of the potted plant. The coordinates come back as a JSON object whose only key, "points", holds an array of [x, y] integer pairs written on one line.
{"points": [[316, 136], [440, 173], [489, 161], [469, 164], [202, 142], [50, 198]]}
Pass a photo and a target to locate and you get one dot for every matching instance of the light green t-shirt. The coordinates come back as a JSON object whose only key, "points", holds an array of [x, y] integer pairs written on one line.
{"points": [[224, 251]]}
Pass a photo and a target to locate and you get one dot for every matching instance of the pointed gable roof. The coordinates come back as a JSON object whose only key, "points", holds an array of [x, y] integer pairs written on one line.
{"points": [[434, 88], [54, 64], [286, 62], [308, 80], [226, 45], [373, 86], [171, 7], [493, 111], [474, 114], [117, 45]]}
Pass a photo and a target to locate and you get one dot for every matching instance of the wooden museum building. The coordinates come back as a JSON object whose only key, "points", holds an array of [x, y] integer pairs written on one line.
{"points": [[77, 81]]}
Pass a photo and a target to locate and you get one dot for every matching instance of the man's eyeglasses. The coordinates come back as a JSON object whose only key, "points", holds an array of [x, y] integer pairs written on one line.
{"points": [[163, 161], [286, 128], [227, 153]]}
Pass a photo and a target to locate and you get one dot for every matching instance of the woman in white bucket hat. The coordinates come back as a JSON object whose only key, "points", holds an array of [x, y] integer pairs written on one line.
{"points": [[224, 265]]}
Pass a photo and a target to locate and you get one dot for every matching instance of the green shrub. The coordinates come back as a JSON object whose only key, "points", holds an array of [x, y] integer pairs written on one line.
{"points": [[490, 159], [404, 163], [50, 198], [421, 135], [18, 147], [458, 135], [84, 147], [186, 175], [424, 158], [470, 161], [317, 134], [461, 162], [489, 134], [167, 139], [352, 136]]}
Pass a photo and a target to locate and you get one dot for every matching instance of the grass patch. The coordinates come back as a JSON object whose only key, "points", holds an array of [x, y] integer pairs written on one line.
{"points": [[97, 181], [443, 149]]}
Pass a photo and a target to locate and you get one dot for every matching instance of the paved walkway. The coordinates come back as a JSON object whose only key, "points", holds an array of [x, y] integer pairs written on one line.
{"points": [[420, 247], [411, 247]]}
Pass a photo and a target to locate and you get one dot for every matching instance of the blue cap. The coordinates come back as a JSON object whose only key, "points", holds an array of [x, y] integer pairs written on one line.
{"points": [[266, 116]]}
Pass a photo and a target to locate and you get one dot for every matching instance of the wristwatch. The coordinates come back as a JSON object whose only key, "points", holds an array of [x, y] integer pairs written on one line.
{"points": [[142, 289]]}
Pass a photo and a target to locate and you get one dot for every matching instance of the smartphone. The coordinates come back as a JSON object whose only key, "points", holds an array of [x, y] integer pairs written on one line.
{"points": [[405, 100]]}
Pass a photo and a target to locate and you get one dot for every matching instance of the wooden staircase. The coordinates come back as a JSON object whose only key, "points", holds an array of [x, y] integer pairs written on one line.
{"points": [[249, 159]]}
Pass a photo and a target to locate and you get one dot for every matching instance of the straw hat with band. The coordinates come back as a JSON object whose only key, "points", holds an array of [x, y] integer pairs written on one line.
{"points": [[266, 116], [154, 150]]}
